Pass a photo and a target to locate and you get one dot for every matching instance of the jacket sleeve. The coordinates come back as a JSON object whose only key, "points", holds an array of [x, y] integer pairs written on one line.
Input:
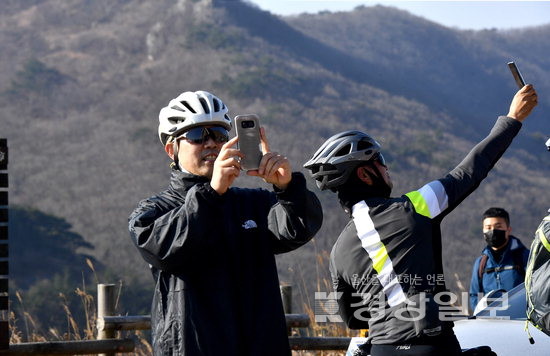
{"points": [[439, 197], [467, 176], [171, 236], [350, 304], [296, 217], [474, 285]]}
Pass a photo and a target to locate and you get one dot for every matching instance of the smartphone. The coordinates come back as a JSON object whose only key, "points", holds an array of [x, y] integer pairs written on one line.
{"points": [[248, 131], [517, 75]]}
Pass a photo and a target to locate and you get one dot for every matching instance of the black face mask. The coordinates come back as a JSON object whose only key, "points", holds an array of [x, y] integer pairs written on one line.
{"points": [[495, 238]]}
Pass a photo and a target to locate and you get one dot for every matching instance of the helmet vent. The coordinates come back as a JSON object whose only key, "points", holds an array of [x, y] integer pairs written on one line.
{"points": [[204, 105], [343, 151], [175, 120], [177, 108], [184, 103], [216, 105], [364, 145]]}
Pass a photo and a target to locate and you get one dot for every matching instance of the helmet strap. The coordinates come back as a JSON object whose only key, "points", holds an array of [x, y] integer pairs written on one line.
{"points": [[379, 183], [175, 146], [355, 190]]}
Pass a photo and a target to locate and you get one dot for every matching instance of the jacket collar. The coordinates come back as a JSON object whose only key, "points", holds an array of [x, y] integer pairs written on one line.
{"points": [[181, 182]]}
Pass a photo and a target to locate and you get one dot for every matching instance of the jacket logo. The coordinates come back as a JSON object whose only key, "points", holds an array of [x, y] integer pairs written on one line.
{"points": [[249, 224]]}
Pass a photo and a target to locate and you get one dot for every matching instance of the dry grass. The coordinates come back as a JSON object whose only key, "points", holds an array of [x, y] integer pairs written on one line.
{"points": [[73, 331], [33, 333], [328, 329]]}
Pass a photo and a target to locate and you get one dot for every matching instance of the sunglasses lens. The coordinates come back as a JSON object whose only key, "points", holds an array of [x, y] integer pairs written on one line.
{"points": [[200, 135], [194, 135], [218, 134]]}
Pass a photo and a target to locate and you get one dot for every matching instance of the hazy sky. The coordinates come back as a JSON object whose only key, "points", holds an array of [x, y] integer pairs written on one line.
{"points": [[461, 14]]}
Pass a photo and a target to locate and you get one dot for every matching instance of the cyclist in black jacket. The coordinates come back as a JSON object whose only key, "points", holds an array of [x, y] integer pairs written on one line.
{"points": [[211, 246], [386, 265]]}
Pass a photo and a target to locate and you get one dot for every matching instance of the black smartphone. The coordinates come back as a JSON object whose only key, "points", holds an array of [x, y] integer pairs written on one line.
{"points": [[517, 75], [248, 131]]}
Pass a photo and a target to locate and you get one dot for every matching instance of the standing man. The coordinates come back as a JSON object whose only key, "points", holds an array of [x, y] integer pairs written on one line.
{"points": [[211, 246], [503, 262], [386, 265]]}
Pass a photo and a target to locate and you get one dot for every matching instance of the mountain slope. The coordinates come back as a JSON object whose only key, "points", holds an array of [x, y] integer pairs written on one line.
{"points": [[424, 58]]}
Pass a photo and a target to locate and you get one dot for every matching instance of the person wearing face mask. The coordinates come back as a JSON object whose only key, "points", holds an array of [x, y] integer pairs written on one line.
{"points": [[502, 263]]}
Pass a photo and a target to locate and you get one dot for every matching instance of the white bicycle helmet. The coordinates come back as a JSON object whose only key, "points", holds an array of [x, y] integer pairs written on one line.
{"points": [[334, 161], [191, 109]]}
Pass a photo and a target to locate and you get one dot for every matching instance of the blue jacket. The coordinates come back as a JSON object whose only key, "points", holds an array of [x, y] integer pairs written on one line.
{"points": [[501, 278]]}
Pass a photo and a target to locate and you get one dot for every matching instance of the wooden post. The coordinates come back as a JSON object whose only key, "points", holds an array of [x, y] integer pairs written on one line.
{"points": [[319, 343], [77, 347], [4, 270], [127, 322], [143, 322], [286, 295], [106, 300]]}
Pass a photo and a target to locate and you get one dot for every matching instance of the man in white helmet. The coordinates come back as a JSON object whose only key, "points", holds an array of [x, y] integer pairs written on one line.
{"points": [[211, 246]]}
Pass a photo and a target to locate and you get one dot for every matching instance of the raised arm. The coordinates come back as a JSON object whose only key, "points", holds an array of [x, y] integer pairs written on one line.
{"points": [[449, 191]]}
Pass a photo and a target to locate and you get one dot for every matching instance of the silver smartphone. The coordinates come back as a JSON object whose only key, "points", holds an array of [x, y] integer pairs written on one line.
{"points": [[248, 131], [517, 75]]}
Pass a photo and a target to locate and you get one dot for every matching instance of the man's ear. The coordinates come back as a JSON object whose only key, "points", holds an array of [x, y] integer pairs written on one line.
{"points": [[169, 148], [364, 175]]}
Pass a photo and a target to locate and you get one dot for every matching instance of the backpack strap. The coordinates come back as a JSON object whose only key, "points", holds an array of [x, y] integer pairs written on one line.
{"points": [[481, 270], [540, 234], [517, 256]]}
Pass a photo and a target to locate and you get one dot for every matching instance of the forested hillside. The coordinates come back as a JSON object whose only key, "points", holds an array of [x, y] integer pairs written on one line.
{"points": [[82, 82]]}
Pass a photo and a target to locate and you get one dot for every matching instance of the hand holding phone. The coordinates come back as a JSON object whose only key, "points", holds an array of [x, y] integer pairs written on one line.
{"points": [[517, 75], [248, 131]]}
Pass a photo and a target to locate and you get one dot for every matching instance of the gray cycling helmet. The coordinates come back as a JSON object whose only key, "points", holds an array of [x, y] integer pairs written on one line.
{"points": [[334, 161]]}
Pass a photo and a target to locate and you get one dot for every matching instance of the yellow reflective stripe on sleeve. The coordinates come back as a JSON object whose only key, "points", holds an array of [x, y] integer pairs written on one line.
{"points": [[419, 203], [430, 200]]}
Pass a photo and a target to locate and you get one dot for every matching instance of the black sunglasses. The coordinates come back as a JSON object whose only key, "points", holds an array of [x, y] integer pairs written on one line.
{"points": [[200, 135]]}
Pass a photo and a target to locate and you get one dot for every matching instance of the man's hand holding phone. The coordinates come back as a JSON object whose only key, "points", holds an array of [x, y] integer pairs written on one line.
{"points": [[227, 167], [525, 99], [274, 168], [523, 103]]}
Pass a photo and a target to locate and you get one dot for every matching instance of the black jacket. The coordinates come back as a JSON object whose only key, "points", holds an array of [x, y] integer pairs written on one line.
{"points": [[390, 251], [212, 258]]}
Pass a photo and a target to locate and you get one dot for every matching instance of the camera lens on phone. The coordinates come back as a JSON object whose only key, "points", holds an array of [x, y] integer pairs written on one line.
{"points": [[247, 124]]}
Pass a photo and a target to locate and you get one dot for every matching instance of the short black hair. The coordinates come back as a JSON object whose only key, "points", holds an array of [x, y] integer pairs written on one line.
{"points": [[495, 212]]}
